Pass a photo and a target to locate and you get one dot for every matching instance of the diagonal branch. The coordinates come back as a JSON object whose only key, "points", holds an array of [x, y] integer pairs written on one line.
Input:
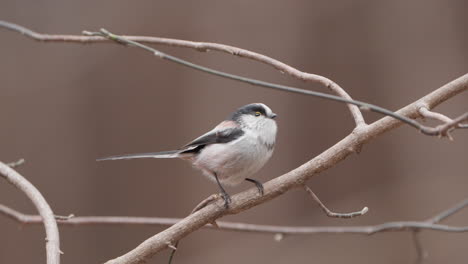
{"points": [[442, 130], [204, 47], [290, 180], [52, 239]]}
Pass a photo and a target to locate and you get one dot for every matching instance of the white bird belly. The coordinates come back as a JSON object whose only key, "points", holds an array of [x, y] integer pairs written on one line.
{"points": [[234, 161]]}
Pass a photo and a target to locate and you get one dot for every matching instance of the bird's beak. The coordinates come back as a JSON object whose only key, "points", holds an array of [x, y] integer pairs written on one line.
{"points": [[273, 116]]}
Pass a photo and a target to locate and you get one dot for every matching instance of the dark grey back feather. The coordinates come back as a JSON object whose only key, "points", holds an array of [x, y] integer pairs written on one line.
{"points": [[214, 137]]}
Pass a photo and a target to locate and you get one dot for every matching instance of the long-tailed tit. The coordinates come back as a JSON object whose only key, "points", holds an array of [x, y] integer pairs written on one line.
{"points": [[230, 153]]}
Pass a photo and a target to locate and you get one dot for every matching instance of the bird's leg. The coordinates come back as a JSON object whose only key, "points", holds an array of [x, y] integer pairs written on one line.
{"points": [[224, 194], [258, 184]]}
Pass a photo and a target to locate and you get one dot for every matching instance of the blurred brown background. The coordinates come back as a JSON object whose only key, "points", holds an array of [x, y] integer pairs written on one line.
{"points": [[64, 105]]}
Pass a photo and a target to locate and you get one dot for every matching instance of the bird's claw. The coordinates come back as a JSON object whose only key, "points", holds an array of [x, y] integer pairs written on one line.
{"points": [[226, 198]]}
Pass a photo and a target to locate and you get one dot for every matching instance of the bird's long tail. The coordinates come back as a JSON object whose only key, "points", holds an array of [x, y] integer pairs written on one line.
{"points": [[157, 155]]}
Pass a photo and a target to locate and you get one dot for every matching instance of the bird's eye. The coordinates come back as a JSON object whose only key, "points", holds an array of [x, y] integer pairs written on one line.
{"points": [[257, 113]]}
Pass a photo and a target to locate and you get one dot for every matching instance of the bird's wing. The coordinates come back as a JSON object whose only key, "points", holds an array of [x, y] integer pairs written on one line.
{"points": [[225, 132]]}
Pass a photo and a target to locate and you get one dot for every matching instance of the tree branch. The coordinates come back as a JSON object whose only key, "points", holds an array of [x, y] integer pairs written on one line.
{"points": [[15, 164], [236, 226], [449, 212], [426, 113], [52, 233], [96, 37], [328, 212], [204, 47], [290, 180], [442, 130], [421, 254]]}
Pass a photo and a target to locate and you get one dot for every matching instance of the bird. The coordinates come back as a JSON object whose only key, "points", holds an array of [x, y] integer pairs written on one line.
{"points": [[231, 152]]}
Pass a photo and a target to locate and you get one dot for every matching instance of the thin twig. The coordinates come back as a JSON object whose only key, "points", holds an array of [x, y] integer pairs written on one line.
{"points": [[16, 163], [437, 131], [445, 129], [421, 254], [449, 212], [328, 212], [426, 113], [52, 234], [203, 47], [235, 226], [173, 252], [204, 203]]}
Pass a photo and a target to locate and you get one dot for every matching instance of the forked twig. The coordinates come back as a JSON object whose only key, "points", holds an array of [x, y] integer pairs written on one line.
{"points": [[329, 213]]}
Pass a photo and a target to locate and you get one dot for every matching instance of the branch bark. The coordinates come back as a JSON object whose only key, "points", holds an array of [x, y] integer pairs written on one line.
{"points": [[441, 130], [203, 47], [354, 105], [239, 227], [52, 233], [290, 180]]}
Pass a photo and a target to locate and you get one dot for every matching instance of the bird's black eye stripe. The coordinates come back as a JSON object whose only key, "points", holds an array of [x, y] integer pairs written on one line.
{"points": [[255, 110], [251, 109]]}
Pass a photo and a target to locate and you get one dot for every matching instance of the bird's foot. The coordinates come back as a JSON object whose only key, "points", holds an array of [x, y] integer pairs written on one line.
{"points": [[227, 199], [258, 184]]}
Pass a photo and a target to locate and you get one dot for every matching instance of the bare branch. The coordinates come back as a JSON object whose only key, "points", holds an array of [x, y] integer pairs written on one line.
{"points": [[343, 97], [52, 239], [449, 212], [292, 179], [421, 254], [206, 202], [235, 226], [445, 128], [16, 163], [328, 212], [200, 46], [442, 130], [426, 113], [174, 250]]}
